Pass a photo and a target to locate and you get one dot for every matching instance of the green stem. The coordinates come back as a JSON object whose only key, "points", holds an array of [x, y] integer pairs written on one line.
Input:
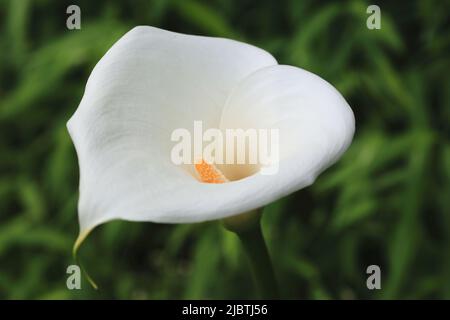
{"points": [[248, 228]]}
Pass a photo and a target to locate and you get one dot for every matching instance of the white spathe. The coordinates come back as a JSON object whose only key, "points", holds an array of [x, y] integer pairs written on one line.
{"points": [[152, 82]]}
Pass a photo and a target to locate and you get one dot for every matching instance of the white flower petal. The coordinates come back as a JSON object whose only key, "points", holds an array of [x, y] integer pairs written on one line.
{"points": [[152, 82], [316, 124], [149, 83]]}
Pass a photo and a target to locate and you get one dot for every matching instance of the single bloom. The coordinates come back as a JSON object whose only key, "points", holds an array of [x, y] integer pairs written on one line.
{"points": [[152, 82]]}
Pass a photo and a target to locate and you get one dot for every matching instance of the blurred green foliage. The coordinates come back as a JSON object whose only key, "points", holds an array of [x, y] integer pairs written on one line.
{"points": [[386, 202]]}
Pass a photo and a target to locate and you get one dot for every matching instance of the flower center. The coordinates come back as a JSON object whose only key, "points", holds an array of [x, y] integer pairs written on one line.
{"points": [[209, 173]]}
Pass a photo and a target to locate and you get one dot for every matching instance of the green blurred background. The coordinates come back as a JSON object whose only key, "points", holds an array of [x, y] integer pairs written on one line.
{"points": [[386, 202]]}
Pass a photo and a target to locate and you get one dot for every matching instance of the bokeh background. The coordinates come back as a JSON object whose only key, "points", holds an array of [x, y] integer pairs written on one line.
{"points": [[386, 202]]}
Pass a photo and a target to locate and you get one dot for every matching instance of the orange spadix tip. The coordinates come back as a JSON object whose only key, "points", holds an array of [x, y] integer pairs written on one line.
{"points": [[208, 173]]}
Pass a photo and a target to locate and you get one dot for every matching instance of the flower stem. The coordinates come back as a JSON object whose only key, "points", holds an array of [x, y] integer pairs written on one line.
{"points": [[248, 228]]}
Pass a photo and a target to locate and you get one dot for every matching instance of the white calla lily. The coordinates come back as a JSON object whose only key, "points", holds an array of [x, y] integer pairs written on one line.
{"points": [[152, 82]]}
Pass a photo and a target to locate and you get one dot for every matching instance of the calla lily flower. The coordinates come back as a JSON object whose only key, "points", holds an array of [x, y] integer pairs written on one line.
{"points": [[152, 82]]}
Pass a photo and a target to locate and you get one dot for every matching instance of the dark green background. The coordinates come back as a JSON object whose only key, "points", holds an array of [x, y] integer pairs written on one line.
{"points": [[386, 202]]}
